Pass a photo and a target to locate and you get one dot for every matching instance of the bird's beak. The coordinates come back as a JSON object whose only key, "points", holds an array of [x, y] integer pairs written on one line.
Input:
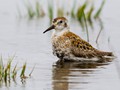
{"points": [[50, 28]]}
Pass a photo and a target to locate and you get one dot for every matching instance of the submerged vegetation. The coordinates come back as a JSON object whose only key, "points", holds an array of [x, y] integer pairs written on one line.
{"points": [[85, 14], [37, 11], [99, 10], [60, 12], [50, 11], [9, 72], [90, 14]]}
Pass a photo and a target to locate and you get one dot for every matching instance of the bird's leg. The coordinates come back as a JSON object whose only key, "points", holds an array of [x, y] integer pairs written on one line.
{"points": [[60, 61]]}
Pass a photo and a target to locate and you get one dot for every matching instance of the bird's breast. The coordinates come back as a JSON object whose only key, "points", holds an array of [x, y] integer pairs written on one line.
{"points": [[61, 41], [61, 45]]}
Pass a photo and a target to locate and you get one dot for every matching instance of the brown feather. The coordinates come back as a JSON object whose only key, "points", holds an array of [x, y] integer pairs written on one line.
{"points": [[102, 53], [81, 48]]}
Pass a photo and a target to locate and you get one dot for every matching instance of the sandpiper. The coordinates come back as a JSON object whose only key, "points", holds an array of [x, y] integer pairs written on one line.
{"points": [[69, 46]]}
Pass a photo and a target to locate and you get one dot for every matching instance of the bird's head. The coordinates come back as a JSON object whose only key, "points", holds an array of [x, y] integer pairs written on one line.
{"points": [[59, 24]]}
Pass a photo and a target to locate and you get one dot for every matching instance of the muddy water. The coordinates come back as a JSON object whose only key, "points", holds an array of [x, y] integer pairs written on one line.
{"points": [[24, 39]]}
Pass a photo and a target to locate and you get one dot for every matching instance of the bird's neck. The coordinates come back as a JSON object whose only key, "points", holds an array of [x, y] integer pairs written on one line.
{"points": [[60, 32]]}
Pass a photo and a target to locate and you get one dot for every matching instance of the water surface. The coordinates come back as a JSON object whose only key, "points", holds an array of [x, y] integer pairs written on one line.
{"points": [[25, 39]]}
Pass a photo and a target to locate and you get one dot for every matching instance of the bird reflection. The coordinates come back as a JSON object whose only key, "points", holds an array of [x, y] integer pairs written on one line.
{"points": [[67, 75]]}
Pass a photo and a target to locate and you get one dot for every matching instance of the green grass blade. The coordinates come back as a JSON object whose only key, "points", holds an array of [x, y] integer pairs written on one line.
{"points": [[80, 11], [32, 71], [85, 21], [60, 12], [89, 14], [50, 11], [37, 9], [30, 10], [22, 75], [14, 72], [1, 69], [5, 75], [99, 10], [73, 9], [101, 28], [79, 15]]}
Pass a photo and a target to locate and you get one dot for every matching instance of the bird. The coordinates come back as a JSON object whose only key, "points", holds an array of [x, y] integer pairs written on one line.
{"points": [[67, 45]]}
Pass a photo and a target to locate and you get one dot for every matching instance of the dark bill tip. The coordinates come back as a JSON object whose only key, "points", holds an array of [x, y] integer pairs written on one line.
{"points": [[50, 28]]}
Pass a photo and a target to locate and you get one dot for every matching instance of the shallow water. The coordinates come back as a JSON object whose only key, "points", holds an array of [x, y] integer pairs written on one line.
{"points": [[25, 39]]}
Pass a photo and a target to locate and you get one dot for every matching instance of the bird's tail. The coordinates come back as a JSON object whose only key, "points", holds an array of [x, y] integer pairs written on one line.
{"points": [[102, 53]]}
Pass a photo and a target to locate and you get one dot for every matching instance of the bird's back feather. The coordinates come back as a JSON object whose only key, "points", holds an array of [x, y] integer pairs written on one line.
{"points": [[81, 48], [70, 43]]}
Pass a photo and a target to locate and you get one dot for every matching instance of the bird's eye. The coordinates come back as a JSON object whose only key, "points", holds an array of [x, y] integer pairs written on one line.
{"points": [[61, 21]]}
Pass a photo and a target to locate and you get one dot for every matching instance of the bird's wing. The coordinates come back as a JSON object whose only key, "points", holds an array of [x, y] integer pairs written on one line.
{"points": [[81, 48]]}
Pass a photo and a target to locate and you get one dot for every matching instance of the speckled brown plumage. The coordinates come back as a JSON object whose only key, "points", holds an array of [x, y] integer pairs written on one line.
{"points": [[75, 45], [67, 45]]}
